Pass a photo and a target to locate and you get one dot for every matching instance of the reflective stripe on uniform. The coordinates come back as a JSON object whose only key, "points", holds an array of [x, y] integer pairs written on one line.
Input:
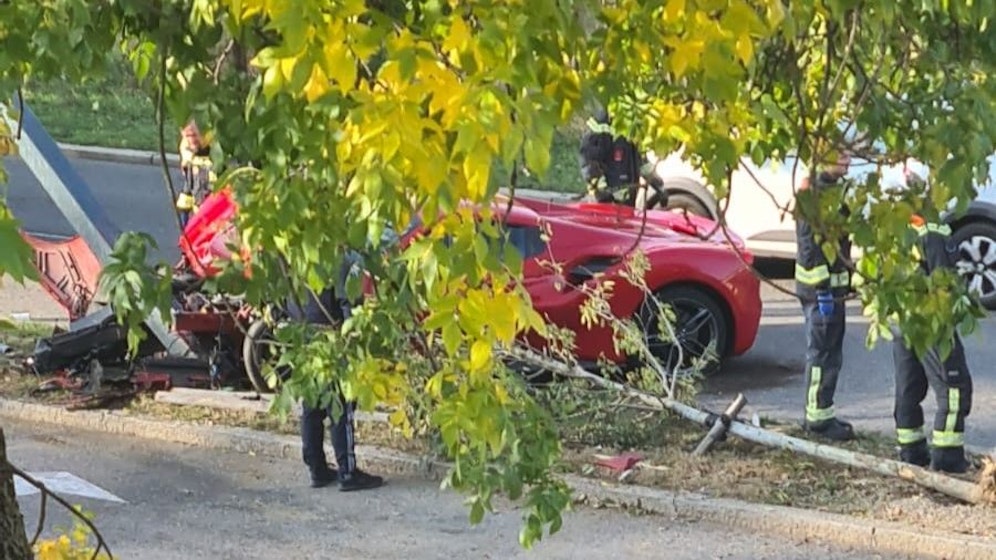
{"points": [[812, 276], [954, 401], [813, 411], [840, 279], [924, 229], [906, 436], [821, 273], [598, 127], [948, 439], [198, 161], [185, 202]]}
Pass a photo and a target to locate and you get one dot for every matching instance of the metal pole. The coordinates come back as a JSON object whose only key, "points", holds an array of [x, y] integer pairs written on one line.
{"points": [[73, 197]]}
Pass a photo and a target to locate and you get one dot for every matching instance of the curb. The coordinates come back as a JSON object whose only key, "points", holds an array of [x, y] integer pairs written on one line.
{"points": [[793, 523], [117, 155]]}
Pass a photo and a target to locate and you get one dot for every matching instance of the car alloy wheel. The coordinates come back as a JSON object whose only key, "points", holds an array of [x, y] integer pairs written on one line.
{"points": [[257, 350], [698, 339], [977, 260]]}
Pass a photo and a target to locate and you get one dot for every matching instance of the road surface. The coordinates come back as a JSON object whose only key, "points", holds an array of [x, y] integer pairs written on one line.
{"points": [[183, 502], [770, 374]]}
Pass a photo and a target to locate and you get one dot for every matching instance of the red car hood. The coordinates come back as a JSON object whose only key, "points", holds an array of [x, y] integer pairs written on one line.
{"points": [[652, 228]]}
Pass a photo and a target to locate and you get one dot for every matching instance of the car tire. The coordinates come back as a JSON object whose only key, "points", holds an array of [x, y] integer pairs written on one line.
{"points": [[255, 353], [976, 242], [701, 326], [684, 202]]}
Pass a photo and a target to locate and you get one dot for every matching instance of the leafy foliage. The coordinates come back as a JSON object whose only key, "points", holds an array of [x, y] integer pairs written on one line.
{"points": [[70, 544], [134, 289], [345, 118]]}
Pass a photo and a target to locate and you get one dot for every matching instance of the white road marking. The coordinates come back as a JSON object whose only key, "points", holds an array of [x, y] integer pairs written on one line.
{"points": [[63, 483]]}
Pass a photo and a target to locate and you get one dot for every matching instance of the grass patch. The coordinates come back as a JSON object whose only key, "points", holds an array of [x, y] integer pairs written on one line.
{"points": [[110, 111]]}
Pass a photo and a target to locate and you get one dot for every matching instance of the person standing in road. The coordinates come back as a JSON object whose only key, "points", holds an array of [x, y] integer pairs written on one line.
{"points": [[325, 309], [822, 287], [950, 378]]}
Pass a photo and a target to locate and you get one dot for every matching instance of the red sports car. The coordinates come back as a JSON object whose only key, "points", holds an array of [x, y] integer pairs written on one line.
{"points": [[712, 290], [715, 295]]}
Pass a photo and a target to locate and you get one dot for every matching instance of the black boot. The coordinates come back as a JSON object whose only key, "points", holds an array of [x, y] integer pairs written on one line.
{"points": [[323, 477], [832, 429], [359, 480], [915, 453], [948, 459]]}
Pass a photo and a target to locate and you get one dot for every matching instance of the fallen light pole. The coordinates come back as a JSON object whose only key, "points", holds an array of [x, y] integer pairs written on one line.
{"points": [[957, 488], [721, 425]]}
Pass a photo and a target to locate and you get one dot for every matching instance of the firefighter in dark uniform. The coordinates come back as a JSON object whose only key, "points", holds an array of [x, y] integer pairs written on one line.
{"points": [[822, 288], [609, 163], [326, 309], [949, 378]]}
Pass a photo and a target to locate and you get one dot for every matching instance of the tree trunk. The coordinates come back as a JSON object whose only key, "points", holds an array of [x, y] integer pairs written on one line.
{"points": [[13, 539]]}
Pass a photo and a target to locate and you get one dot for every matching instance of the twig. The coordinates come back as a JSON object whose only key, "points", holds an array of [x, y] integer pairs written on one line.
{"points": [[41, 518], [20, 112], [216, 73], [161, 125], [101, 543]]}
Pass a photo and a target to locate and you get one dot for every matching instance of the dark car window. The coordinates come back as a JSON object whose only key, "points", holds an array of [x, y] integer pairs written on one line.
{"points": [[528, 240]]}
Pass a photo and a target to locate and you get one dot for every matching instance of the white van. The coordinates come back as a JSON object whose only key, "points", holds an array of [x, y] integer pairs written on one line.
{"points": [[761, 204]]}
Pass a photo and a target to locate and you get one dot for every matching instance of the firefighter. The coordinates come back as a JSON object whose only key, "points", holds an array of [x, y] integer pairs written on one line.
{"points": [[822, 288], [609, 163], [949, 378], [196, 166]]}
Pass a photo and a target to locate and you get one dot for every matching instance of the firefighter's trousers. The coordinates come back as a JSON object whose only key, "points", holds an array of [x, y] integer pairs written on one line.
{"points": [[824, 357], [952, 385]]}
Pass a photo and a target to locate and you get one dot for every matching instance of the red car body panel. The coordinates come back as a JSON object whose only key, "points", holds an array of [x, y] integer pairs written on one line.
{"points": [[206, 237], [581, 233], [677, 256]]}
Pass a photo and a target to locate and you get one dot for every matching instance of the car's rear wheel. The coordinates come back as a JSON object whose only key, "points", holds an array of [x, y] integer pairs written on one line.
{"points": [[257, 350], [699, 337], [977, 259]]}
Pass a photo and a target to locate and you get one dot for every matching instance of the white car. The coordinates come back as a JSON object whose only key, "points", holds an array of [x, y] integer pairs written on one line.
{"points": [[762, 198]]}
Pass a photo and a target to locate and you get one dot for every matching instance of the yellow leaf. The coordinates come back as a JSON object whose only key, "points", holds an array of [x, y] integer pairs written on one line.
{"points": [[775, 12], [341, 65], [459, 35], [674, 9], [480, 355], [273, 81], [745, 48], [477, 169], [501, 394], [685, 54], [318, 84]]}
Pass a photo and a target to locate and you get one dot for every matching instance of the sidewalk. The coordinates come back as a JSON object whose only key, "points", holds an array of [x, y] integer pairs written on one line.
{"points": [[874, 535]]}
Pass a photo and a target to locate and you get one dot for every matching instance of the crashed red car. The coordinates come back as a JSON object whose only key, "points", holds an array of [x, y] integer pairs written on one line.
{"points": [[710, 287], [707, 282]]}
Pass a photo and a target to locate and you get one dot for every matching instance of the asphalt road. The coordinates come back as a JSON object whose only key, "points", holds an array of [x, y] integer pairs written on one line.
{"points": [[770, 374], [183, 502], [134, 197]]}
